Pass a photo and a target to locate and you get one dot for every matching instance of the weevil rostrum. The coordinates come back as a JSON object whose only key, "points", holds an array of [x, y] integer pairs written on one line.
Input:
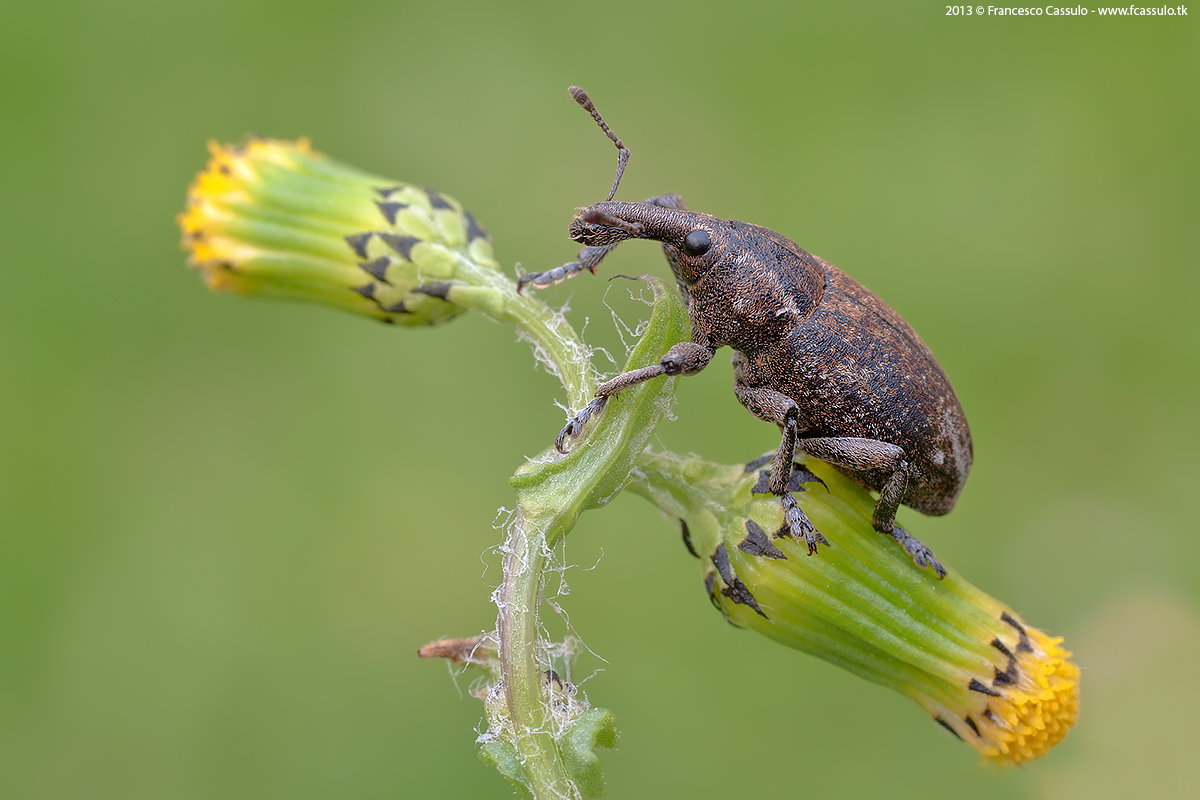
{"points": [[845, 378]]}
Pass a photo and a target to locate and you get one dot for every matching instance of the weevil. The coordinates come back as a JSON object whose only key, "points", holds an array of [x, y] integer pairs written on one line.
{"points": [[845, 378]]}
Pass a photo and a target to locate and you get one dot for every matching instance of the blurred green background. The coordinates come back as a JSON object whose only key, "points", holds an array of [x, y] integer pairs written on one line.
{"points": [[226, 526]]}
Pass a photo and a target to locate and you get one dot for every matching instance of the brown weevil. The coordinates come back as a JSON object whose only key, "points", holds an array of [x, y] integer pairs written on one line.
{"points": [[843, 375]]}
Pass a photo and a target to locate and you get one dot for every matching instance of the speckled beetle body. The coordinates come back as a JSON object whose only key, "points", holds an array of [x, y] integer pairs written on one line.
{"points": [[845, 378]]}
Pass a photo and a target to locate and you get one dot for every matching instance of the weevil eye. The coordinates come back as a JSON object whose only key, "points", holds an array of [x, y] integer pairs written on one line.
{"points": [[697, 243]]}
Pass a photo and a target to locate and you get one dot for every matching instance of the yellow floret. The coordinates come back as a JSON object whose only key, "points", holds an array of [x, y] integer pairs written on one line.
{"points": [[1039, 711]]}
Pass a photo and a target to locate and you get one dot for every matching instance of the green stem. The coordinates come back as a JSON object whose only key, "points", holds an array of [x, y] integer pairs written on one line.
{"points": [[523, 682], [552, 491], [274, 219], [555, 340]]}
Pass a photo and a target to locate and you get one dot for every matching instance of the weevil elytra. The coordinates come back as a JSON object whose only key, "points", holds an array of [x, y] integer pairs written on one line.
{"points": [[845, 378]]}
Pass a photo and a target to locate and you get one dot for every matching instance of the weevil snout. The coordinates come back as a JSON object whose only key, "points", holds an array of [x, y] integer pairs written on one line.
{"points": [[596, 227], [599, 218], [611, 222]]}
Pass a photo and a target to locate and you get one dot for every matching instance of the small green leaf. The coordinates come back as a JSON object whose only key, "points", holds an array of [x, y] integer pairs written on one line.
{"points": [[596, 728], [501, 755]]}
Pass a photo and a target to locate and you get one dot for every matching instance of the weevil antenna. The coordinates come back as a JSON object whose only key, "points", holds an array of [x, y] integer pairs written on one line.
{"points": [[581, 97]]}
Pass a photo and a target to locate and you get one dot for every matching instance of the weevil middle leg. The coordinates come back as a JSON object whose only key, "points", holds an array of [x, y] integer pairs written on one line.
{"points": [[773, 406]]}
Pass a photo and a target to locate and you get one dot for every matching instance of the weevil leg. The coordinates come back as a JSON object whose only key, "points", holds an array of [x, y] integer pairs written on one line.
{"points": [[862, 455], [589, 258], [922, 556], [685, 358], [798, 524], [773, 406]]}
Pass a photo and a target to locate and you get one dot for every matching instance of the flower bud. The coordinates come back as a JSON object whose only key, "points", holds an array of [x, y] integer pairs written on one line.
{"points": [[273, 218], [1005, 688]]}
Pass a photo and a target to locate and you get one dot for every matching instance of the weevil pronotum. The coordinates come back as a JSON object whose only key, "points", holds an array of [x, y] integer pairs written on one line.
{"points": [[843, 375]]}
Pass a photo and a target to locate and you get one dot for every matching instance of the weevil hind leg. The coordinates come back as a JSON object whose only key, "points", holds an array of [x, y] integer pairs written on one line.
{"points": [[922, 556], [861, 455]]}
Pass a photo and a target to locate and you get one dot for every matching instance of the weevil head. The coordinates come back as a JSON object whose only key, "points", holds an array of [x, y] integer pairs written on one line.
{"points": [[694, 242]]}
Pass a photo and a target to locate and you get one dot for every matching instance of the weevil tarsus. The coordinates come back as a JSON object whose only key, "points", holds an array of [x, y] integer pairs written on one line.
{"points": [[922, 556], [589, 258]]}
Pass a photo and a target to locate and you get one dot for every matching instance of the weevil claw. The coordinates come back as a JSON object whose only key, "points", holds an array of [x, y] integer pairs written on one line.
{"points": [[798, 526], [541, 280], [922, 556], [574, 427]]}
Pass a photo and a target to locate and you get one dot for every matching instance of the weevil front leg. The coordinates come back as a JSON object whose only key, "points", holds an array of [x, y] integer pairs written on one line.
{"points": [[685, 358], [861, 455], [589, 258]]}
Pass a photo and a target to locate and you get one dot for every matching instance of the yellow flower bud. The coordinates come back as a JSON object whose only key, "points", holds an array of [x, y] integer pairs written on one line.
{"points": [[1003, 687], [274, 218]]}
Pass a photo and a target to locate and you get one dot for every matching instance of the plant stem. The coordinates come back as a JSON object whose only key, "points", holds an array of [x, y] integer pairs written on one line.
{"points": [[523, 680], [554, 339], [552, 491]]}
